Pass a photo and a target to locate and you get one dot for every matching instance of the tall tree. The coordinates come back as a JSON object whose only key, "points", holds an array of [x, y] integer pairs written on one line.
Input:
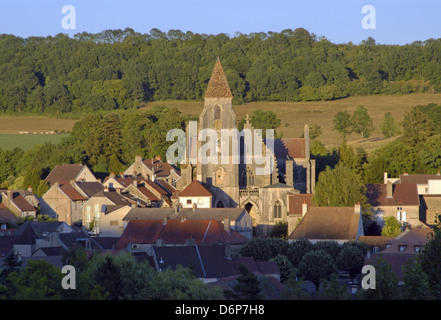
{"points": [[317, 266], [388, 126], [417, 127], [361, 122], [342, 123]]}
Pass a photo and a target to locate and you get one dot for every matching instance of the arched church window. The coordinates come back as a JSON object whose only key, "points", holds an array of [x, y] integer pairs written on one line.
{"points": [[277, 210], [250, 176], [217, 117], [219, 204]]}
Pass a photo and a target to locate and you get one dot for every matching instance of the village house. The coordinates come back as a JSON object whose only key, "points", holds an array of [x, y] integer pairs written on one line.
{"points": [[298, 205], [95, 208], [8, 220], [238, 219], [340, 224], [144, 234], [154, 169], [394, 200], [117, 183], [67, 172], [111, 223], [195, 195], [18, 204], [403, 248], [152, 193]]}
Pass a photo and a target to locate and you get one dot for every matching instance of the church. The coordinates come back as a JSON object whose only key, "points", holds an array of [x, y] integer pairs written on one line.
{"points": [[241, 183]]}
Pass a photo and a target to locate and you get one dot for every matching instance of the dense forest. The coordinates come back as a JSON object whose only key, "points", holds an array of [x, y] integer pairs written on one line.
{"points": [[120, 69]]}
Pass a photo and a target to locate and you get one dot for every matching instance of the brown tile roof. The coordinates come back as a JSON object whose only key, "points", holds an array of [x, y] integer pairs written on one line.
{"points": [[176, 231], [166, 186], [218, 86], [376, 241], [71, 192], [195, 189], [328, 223], [409, 238], [289, 147], [64, 173], [90, 188], [150, 195], [397, 261], [6, 216], [152, 185], [402, 194], [161, 169], [418, 178], [296, 203]]}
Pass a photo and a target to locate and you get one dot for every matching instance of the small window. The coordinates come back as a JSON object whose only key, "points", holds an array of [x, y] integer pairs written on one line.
{"points": [[402, 248], [200, 201], [188, 201], [418, 248]]}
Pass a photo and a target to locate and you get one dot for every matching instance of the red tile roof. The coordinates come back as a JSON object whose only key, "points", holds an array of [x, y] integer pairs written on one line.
{"points": [[161, 169], [402, 194], [71, 192], [289, 147], [296, 203], [195, 189], [418, 178], [177, 231], [148, 194]]}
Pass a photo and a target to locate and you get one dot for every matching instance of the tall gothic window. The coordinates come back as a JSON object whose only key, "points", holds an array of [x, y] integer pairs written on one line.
{"points": [[277, 209], [217, 117], [250, 176]]}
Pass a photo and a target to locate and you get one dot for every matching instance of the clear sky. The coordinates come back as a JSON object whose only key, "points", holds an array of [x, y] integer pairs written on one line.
{"points": [[340, 21]]}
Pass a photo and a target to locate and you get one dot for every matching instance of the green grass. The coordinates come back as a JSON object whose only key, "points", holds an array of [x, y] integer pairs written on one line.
{"points": [[27, 141]]}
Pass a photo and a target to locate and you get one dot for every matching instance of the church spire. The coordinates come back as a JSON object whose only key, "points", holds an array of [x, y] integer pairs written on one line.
{"points": [[218, 85]]}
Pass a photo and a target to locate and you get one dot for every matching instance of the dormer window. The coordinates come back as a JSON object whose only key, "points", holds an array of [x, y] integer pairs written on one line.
{"points": [[402, 248], [418, 248]]}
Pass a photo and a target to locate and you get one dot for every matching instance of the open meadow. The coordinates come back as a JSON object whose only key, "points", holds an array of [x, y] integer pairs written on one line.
{"points": [[294, 115]]}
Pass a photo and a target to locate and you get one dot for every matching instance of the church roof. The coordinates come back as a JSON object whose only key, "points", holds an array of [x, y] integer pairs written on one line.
{"points": [[218, 86]]}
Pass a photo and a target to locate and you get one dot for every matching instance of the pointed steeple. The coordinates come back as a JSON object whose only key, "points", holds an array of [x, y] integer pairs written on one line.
{"points": [[218, 85]]}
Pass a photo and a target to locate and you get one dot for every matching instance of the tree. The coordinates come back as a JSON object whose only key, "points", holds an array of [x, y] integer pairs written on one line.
{"points": [[316, 266], [342, 123], [416, 281], [361, 122], [386, 283], [417, 127], [297, 249], [294, 289], [333, 290], [279, 230], [388, 126], [247, 287], [285, 266], [350, 259], [11, 264], [108, 276], [330, 246], [339, 187], [430, 259], [391, 227], [265, 120]]}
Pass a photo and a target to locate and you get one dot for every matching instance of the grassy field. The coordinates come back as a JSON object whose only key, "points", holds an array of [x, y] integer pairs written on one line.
{"points": [[27, 141], [295, 115]]}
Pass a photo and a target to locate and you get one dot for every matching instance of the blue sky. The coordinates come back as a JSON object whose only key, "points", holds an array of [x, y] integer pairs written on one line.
{"points": [[397, 21]]}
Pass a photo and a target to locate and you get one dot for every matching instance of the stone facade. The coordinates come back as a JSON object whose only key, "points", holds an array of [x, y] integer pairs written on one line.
{"points": [[232, 184]]}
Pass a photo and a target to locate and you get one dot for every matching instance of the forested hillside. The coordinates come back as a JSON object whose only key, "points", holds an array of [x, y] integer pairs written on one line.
{"points": [[119, 69]]}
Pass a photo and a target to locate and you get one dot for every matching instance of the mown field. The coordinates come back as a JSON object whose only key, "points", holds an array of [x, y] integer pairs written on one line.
{"points": [[27, 141], [294, 115]]}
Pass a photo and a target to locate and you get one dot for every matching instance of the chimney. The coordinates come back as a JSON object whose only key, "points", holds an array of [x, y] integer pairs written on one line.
{"points": [[304, 208], [165, 220], [389, 190], [138, 158], [438, 173], [405, 173], [118, 190], [306, 137], [357, 208], [72, 182], [227, 226], [135, 183], [121, 174], [228, 250], [289, 168], [56, 184], [30, 189], [176, 208], [10, 195], [190, 242], [106, 189], [112, 175], [385, 177]]}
